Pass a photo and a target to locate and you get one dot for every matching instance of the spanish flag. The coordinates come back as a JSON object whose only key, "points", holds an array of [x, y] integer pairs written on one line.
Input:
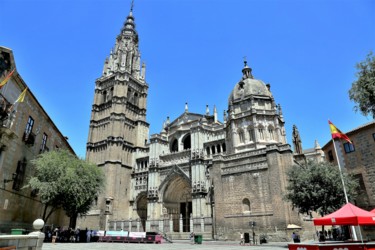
{"points": [[3, 82], [336, 133], [22, 96]]}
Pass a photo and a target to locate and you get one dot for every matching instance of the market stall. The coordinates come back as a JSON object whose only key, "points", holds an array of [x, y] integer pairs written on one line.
{"points": [[350, 215]]}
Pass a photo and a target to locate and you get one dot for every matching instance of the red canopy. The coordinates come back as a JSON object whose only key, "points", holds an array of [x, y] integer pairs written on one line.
{"points": [[347, 215]]}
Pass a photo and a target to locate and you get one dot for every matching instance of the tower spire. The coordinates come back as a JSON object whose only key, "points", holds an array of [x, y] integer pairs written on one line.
{"points": [[132, 6]]}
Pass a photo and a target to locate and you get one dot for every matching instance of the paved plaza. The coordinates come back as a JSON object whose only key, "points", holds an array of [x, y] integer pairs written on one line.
{"points": [[180, 245]]}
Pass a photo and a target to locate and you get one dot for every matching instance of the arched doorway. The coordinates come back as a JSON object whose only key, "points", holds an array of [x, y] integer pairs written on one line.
{"points": [[142, 210], [177, 201]]}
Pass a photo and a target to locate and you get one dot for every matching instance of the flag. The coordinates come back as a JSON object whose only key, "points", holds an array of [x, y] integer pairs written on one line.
{"points": [[3, 82], [22, 96], [336, 133]]}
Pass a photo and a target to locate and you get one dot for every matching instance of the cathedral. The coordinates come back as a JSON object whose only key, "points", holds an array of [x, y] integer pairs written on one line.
{"points": [[199, 174]]}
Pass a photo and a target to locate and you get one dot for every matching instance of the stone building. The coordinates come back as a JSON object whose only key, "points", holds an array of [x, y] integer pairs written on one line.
{"points": [[26, 131], [358, 159], [198, 174]]}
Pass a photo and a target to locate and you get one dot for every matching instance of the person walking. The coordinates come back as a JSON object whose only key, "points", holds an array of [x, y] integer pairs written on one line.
{"points": [[54, 235], [88, 235]]}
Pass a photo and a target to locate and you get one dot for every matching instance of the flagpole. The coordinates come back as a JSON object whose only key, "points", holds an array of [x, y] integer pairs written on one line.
{"points": [[343, 185]]}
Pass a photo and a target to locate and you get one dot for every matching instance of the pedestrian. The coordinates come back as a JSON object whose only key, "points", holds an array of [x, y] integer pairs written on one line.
{"points": [[192, 237], [88, 235], [77, 234], [54, 235], [294, 236], [242, 241]]}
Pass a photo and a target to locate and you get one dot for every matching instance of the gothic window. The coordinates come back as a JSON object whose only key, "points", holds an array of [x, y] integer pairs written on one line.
{"points": [[218, 148], [246, 205], [213, 150], [208, 150], [261, 133], [251, 134], [271, 134], [187, 142], [136, 98], [174, 147], [104, 96], [110, 95], [241, 136], [224, 147]]}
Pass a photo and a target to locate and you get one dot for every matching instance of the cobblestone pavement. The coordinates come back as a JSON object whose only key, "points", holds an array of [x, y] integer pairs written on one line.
{"points": [[180, 245]]}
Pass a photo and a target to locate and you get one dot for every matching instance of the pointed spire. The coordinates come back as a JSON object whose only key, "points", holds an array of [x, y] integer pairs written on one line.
{"points": [[186, 107], [215, 114], [317, 146], [207, 110]]}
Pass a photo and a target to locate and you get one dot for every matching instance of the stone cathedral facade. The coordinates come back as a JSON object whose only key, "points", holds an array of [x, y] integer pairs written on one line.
{"points": [[198, 174]]}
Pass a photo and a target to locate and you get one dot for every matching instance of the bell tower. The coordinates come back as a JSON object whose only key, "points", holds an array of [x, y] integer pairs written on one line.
{"points": [[118, 127]]}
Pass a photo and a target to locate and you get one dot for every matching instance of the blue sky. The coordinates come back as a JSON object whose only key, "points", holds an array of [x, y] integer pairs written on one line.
{"points": [[194, 49]]}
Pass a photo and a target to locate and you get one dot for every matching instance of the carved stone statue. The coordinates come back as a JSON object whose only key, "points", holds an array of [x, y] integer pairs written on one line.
{"points": [[297, 143]]}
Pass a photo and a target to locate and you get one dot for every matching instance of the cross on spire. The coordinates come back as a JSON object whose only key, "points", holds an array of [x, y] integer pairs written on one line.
{"points": [[131, 6]]}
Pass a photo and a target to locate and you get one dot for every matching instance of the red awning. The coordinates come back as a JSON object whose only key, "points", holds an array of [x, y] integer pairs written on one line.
{"points": [[373, 211], [347, 215]]}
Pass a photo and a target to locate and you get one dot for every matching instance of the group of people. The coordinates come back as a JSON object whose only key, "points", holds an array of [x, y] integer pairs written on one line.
{"points": [[70, 235]]}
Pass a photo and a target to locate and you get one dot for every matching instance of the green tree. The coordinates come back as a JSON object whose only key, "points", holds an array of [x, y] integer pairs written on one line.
{"points": [[64, 181], [318, 187], [362, 91]]}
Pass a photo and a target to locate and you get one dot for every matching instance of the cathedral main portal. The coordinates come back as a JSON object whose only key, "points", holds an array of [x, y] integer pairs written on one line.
{"points": [[177, 203]]}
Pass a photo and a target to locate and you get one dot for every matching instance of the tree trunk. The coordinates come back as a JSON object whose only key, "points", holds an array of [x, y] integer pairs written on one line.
{"points": [[73, 220]]}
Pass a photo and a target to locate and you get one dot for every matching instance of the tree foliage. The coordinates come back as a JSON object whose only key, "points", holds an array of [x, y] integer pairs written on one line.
{"points": [[318, 187], [64, 181], [362, 91]]}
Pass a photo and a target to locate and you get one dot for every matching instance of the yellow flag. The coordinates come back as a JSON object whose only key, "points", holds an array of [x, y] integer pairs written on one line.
{"points": [[3, 82], [22, 96]]}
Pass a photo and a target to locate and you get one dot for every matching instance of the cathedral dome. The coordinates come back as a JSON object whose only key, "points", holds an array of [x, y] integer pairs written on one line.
{"points": [[248, 86]]}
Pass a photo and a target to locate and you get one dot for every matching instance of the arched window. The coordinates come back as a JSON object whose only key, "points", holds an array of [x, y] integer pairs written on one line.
{"points": [[213, 150], [241, 136], [224, 147], [246, 205], [271, 133], [187, 142], [218, 148], [251, 134], [174, 147], [261, 133], [104, 96], [208, 150]]}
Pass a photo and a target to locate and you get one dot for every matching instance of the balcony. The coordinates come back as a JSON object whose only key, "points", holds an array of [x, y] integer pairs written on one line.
{"points": [[28, 138], [43, 150]]}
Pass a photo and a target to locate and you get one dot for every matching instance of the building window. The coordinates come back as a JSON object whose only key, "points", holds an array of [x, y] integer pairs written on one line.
{"points": [[349, 147], [174, 147], [330, 156], [261, 134], [251, 134], [44, 143], [373, 136], [246, 205], [20, 175], [241, 136], [208, 150], [29, 125], [270, 132]]}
